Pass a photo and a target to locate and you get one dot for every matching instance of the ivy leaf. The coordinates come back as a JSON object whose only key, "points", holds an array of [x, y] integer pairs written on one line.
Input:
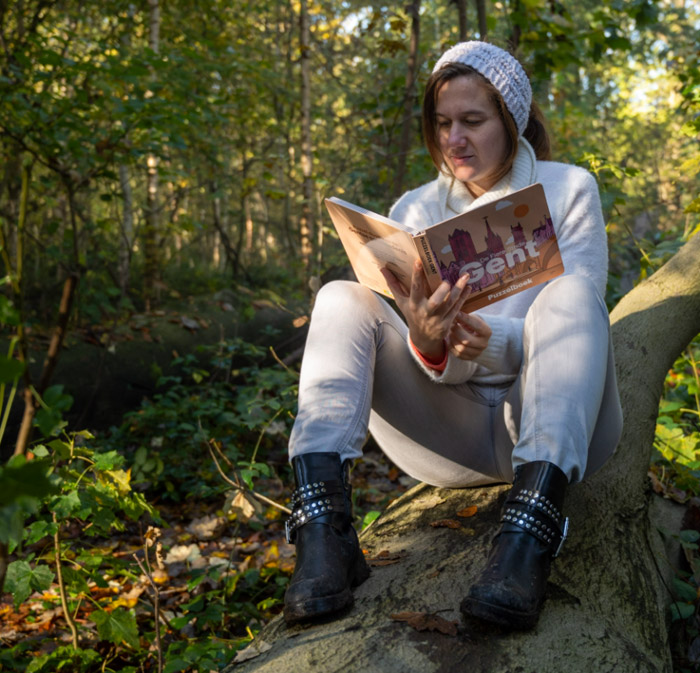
{"points": [[117, 626], [38, 530], [684, 591], [21, 580], [681, 611], [65, 505]]}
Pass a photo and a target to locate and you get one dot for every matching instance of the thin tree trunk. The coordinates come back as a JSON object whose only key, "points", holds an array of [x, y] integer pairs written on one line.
{"points": [[408, 98], [481, 15], [516, 31], [307, 214], [124, 260], [127, 233], [4, 562], [462, 13], [150, 234]]}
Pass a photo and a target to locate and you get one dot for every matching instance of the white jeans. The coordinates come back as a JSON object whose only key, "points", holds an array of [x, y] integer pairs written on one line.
{"points": [[358, 375]]}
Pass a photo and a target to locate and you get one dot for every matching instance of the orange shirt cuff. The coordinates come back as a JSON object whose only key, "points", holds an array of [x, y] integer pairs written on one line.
{"points": [[432, 364]]}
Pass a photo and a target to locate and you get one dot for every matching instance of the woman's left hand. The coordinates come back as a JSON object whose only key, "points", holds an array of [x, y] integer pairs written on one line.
{"points": [[469, 336]]}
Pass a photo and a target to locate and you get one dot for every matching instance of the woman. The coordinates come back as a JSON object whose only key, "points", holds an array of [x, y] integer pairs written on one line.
{"points": [[523, 391]]}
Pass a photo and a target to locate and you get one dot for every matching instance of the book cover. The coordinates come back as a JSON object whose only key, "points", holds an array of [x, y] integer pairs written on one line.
{"points": [[506, 246]]}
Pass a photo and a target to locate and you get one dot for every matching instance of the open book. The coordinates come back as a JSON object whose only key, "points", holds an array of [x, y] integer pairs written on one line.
{"points": [[505, 246]]}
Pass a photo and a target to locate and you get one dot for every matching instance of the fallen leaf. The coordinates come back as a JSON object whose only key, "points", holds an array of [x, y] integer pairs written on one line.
{"points": [[183, 553], [206, 527], [422, 621], [243, 505], [446, 523], [467, 512], [300, 321], [386, 558], [129, 598], [255, 649]]}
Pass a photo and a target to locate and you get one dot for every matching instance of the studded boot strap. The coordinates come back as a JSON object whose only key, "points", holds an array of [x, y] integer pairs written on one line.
{"points": [[534, 513], [313, 500]]}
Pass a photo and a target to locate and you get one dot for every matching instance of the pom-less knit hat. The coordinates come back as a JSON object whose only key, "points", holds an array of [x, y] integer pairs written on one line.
{"points": [[499, 68]]}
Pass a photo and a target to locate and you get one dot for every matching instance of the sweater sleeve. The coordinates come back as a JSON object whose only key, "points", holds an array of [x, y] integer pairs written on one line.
{"points": [[504, 353], [578, 220]]}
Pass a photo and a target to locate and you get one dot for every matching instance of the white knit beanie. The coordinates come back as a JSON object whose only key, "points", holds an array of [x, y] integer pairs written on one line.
{"points": [[499, 68]]}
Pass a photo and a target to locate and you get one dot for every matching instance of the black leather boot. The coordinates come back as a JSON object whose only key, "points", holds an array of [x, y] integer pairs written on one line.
{"points": [[329, 559], [510, 591]]}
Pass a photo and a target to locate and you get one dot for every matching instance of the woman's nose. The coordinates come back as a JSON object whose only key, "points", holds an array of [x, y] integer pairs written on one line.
{"points": [[456, 135]]}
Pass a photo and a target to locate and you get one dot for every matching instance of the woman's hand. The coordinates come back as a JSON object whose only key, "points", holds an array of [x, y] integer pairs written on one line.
{"points": [[469, 336], [429, 316]]}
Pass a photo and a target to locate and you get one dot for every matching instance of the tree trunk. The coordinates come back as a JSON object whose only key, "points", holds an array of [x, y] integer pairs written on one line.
{"points": [[408, 98], [607, 599], [127, 233], [481, 14], [124, 255], [462, 14], [307, 213], [516, 29], [151, 247]]}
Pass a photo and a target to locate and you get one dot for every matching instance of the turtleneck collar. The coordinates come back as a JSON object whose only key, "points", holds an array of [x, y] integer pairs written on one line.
{"points": [[455, 198]]}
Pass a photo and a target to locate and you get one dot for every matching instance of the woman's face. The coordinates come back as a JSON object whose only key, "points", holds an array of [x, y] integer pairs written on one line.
{"points": [[470, 132]]}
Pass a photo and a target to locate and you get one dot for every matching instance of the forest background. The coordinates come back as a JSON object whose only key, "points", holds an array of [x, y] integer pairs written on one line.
{"points": [[164, 166]]}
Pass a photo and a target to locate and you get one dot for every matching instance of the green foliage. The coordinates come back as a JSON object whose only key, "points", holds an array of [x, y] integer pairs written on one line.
{"points": [[117, 626], [64, 658], [76, 480], [22, 579], [677, 440], [237, 402], [23, 485]]}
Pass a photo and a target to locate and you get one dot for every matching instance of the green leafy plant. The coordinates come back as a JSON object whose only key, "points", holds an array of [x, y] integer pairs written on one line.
{"points": [[677, 442], [237, 402]]}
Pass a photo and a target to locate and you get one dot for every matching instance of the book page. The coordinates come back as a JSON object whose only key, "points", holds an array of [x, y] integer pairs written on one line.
{"points": [[372, 242]]}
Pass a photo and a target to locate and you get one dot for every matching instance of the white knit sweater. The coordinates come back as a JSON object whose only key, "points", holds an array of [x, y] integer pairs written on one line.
{"points": [[574, 203]]}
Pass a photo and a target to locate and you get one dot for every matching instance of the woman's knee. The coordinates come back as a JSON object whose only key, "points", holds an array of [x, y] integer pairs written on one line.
{"points": [[576, 293], [343, 297], [341, 291]]}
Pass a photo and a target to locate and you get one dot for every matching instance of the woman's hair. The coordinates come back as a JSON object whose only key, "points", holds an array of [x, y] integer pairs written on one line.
{"points": [[535, 132]]}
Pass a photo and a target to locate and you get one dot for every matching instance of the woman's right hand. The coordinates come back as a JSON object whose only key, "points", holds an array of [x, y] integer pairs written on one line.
{"points": [[469, 336], [429, 316]]}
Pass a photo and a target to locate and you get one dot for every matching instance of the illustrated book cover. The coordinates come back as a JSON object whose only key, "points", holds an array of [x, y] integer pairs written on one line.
{"points": [[506, 246]]}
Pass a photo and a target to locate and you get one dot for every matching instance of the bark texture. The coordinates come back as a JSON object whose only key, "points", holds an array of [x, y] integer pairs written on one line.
{"points": [[607, 598]]}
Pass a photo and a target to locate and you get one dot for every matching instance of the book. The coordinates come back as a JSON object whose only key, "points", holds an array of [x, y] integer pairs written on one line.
{"points": [[506, 246]]}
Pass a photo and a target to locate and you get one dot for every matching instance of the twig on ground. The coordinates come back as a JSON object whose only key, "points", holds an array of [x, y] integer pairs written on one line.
{"points": [[146, 570], [239, 486], [61, 586]]}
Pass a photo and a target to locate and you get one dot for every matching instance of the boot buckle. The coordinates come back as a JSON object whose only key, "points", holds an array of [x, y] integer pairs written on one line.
{"points": [[287, 531], [564, 534]]}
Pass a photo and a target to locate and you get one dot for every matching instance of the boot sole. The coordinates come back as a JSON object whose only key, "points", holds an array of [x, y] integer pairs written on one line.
{"points": [[497, 614], [317, 608]]}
